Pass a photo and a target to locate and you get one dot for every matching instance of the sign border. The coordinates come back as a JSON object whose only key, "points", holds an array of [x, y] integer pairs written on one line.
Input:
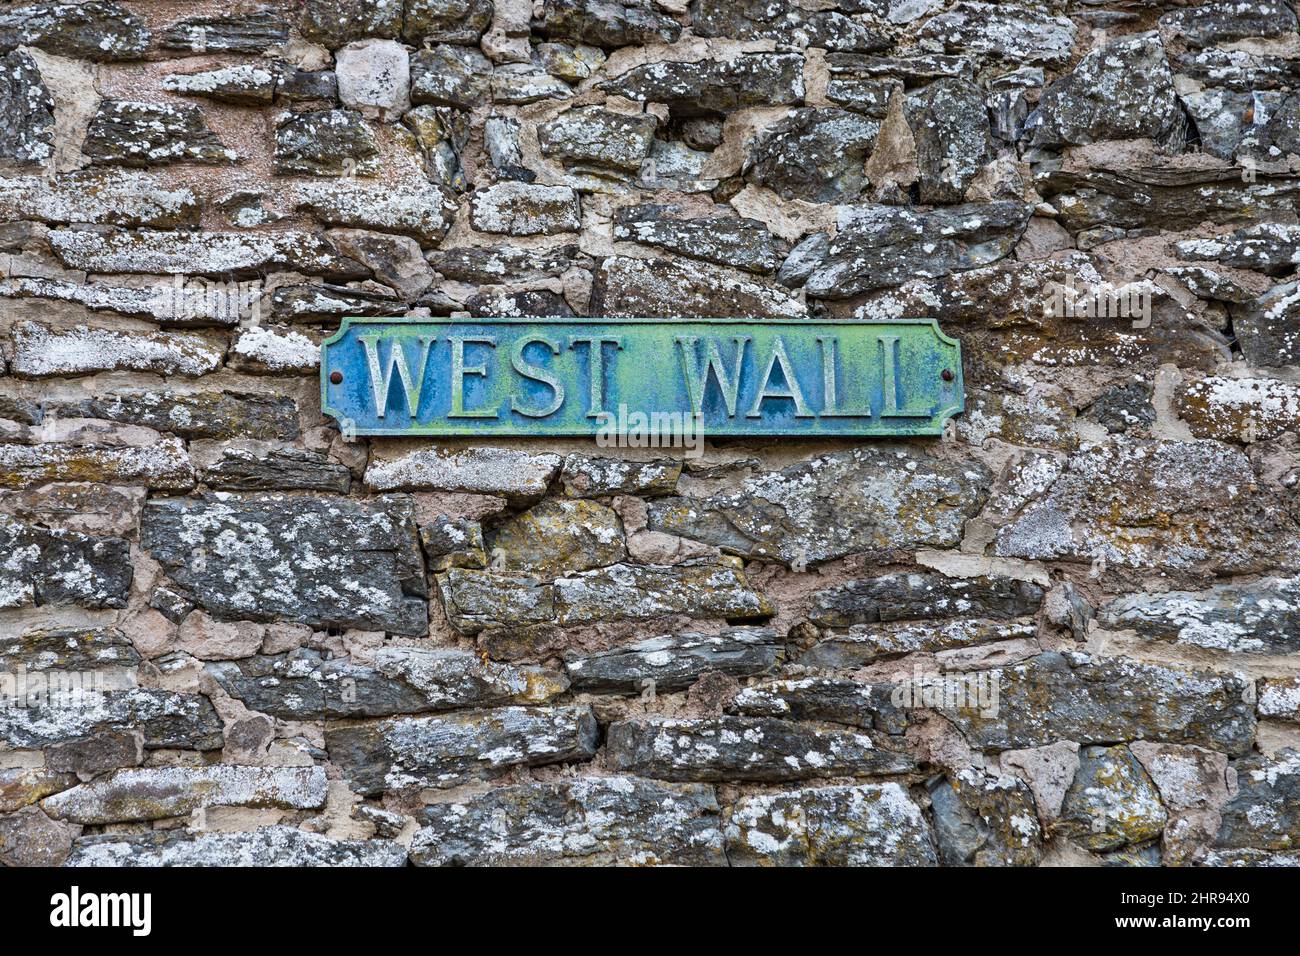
{"points": [[940, 417]]}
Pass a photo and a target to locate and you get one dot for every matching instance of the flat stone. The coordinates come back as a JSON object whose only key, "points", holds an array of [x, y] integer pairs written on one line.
{"points": [[41, 351], [594, 821], [81, 506], [128, 133], [814, 154], [304, 685], [866, 643], [743, 748], [98, 196], [242, 85], [518, 84], [797, 514], [30, 838], [325, 302], [23, 786], [711, 87], [61, 567], [606, 23], [589, 138], [166, 719], [322, 561], [982, 820], [828, 699], [1279, 699], [96, 31], [1075, 697], [162, 466], [1224, 22], [68, 649], [557, 537], [1121, 91], [255, 30], [446, 21], [674, 661], [636, 592], [1263, 813], [488, 471], [1268, 329], [670, 288], [1112, 803], [263, 349], [881, 246], [267, 846], [155, 793], [867, 825], [1001, 31], [584, 476], [325, 143], [923, 596], [1272, 247], [220, 254], [217, 415], [1184, 505], [785, 23], [525, 209], [26, 111], [723, 240], [278, 470], [101, 752], [448, 750], [1258, 618]]}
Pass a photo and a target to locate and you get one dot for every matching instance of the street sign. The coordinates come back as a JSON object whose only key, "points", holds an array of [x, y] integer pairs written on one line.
{"points": [[552, 377]]}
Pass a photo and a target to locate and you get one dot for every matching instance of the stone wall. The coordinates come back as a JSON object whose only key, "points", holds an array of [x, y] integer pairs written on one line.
{"points": [[1065, 632]]}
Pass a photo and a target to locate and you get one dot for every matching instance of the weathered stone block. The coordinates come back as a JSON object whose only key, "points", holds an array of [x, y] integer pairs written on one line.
{"points": [[723, 240], [710, 87], [677, 288], [607, 23], [219, 254], [61, 567], [984, 820], [815, 155], [162, 466], [26, 111], [148, 134], [99, 31], [268, 846], [1112, 802], [165, 719], [447, 750], [831, 699], [557, 537], [327, 562], [524, 209], [41, 351], [489, 471], [674, 661]]}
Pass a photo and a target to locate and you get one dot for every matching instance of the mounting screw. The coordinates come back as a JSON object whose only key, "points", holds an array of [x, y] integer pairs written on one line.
{"points": [[946, 375], [337, 377]]}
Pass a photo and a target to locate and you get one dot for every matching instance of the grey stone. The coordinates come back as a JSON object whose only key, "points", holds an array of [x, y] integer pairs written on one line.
{"points": [[1121, 91], [98, 196], [256, 30], [805, 259], [166, 719], [814, 154], [523, 209], [128, 133], [336, 22], [446, 21], [448, 750], [830, 699], [155, 793], [26, 111], [327, 562], [496, 264], [865, 643], [1192, 506], [325, 143], [1218, 116], [1073, 696], [795, 514], [1001, 31], [483, 470], [92, 31], [786, 23], [298, 86], [453, 543], [163, 465], [277, 470], [667, 288], [1272, 247], [1267, 327], [450, 76], [242, 85], [305, 685], [709, 87], [882, 246], [743, 748], [541, 303], [1260, 618], [1224, 22], [61, 567], [218, 415], [1112, 803], [674, 661], [221, 254], [1263, 815], [40, 351], [637, 592], [518, 84], [923, 596], [30, 838], [598, 821], [984, 820], [584, 476], [317, 303], [88, 757], [867, 825], [267, 846], [557, 537], [443, 134], [606, 23], [68, 649], [591, 139], [951, 129]]}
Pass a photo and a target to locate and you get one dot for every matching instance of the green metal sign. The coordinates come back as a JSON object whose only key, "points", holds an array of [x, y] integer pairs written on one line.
{"points": [[551, 377]]}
